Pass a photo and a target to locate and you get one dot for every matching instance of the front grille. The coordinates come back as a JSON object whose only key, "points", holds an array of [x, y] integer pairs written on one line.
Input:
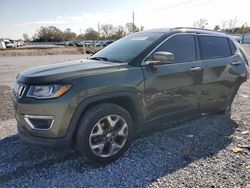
{"points": [[19, 90]]}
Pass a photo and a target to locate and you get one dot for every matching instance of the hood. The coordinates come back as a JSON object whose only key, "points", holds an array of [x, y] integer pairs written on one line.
{"points": [[60, 71]]}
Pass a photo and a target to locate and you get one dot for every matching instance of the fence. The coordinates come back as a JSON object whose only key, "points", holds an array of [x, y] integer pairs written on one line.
{"points": [[41, 43], [243, 38]]}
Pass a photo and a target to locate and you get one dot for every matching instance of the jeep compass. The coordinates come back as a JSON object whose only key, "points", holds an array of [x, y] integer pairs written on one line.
{"points": [[96, 105]]}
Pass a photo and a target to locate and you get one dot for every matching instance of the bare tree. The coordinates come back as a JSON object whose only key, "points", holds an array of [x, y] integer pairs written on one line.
{"points": [[224, 24], [119, 32], [69, 35], [48, 34], [201, 23], [26, 37], [130, 27], [217, 28], [91, 34], [232, 23], [107, 29]]}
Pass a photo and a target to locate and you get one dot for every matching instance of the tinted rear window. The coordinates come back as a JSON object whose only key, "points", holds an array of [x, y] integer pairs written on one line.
{"points": [[182, 46], [214, 47]]}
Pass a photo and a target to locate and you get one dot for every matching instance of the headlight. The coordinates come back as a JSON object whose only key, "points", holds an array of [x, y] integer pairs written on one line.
{"points": [[47, 91]]}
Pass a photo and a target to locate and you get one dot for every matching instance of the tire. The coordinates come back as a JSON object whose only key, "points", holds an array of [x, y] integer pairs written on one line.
{"points": [[98, 128]]}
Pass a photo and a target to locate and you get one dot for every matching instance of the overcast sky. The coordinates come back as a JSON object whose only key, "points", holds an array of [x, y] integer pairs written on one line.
{"points": [[25, 16]]}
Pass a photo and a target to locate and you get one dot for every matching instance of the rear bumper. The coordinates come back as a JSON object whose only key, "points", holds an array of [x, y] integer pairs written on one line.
{"points": [[53, 143]]}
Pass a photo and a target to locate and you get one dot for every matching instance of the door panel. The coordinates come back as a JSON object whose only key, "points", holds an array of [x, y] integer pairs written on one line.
{"points": [[172, 88], [222, 72], [221, 80]]}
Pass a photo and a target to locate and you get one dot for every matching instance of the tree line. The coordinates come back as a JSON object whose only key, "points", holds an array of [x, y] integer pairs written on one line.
{"points": [[106, 31], [227, 26]]}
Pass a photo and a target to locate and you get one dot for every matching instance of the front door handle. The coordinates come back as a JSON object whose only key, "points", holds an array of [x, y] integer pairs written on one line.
{"points": [[195, 69], [236, 63]]}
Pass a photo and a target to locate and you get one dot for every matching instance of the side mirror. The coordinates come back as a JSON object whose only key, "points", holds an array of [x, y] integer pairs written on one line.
{"points": [[160, 58]]}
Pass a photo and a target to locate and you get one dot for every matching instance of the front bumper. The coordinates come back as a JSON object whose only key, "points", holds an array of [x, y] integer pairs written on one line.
{"points": [[60, 109], [54, 143]]}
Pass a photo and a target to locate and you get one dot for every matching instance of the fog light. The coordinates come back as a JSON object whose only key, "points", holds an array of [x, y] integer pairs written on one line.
{"points": [[41, 123]]}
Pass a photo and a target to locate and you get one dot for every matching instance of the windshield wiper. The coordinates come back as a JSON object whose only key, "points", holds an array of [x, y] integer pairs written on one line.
{"points": [[104, 59], [99, 58]]}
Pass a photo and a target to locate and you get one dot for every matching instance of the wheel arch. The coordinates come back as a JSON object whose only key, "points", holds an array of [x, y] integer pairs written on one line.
{"points": [[126, 100]]}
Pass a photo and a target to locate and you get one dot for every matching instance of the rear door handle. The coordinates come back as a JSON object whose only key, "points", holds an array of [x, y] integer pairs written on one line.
{"points": [[236, 63], [195, 69]]}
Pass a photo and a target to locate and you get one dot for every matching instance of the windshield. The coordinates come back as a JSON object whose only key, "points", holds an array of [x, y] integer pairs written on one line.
{"points": [[127, 48]]}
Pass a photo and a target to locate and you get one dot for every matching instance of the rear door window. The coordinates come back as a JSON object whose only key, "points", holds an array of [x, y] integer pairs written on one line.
{"points": [[182, 46], [213, 47]]}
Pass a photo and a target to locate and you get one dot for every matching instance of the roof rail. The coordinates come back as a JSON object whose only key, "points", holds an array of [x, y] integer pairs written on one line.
{"points": [[197, 29]]}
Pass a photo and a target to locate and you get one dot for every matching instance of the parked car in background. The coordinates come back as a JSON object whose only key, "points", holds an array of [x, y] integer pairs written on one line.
{"points": [[106, 43], [67, 43], [98, 44], [8, 44], [14, 42], [88, 43], [21, 43], [2, 44], [79, 43]]}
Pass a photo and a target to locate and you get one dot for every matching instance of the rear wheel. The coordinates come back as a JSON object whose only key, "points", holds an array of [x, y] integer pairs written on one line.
{"points": [[104, 133]]}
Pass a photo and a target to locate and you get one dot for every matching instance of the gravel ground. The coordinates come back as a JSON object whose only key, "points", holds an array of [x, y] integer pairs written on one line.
{"points": [[202, 153]]}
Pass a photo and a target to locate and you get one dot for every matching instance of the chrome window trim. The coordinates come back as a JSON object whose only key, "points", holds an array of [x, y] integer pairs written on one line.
{"points": [[26, 118], [169, 37]]}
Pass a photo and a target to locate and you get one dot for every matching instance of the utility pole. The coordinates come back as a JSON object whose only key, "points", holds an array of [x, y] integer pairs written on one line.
{"points": [[98, 27], [133, 21]]}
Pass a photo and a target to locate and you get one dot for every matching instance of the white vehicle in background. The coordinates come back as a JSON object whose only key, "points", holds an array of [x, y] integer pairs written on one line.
{"points": [[8, 44], [14, 42], [20, 43], [2, 44]]}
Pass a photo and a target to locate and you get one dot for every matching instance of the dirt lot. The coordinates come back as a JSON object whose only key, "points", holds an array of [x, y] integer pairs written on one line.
{"points": [[43, 50], [202, 153]]}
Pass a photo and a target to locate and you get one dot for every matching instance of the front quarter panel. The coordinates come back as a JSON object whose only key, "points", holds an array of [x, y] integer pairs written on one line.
{"points": [[127, 78]]}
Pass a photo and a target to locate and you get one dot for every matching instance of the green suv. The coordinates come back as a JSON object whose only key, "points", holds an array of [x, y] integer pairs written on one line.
{"points": [[96, 105]]}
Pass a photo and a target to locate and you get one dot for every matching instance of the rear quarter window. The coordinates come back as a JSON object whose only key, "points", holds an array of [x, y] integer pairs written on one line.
{"points": [[213, 47], [233, 47]]}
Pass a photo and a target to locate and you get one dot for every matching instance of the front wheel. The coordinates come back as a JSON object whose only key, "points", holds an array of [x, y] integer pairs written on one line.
{"points": [[104, 133]]}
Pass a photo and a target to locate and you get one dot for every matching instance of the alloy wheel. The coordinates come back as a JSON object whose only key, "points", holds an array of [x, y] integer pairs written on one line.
{"points": [[108, 136]]}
